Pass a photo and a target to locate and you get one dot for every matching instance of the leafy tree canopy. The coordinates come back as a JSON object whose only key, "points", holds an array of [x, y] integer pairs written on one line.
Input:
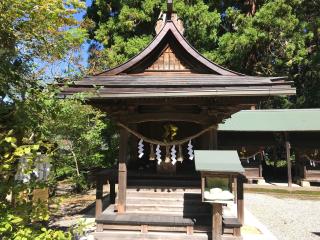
{"points": [[33, 31]]}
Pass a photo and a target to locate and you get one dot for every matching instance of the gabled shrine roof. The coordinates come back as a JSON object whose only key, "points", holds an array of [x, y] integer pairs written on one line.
{"points": [[170, 37], [170, 67]]}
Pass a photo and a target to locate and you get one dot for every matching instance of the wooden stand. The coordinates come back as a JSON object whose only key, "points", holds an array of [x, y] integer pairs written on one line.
{"points": [[216, 221]]}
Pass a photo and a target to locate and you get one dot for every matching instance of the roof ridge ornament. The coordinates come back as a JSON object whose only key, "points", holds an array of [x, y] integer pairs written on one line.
{"points": [[169, 16], [169, 9]]}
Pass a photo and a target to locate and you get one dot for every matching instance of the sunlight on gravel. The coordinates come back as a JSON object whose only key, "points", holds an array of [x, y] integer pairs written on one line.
{"points": [[287, 218]]}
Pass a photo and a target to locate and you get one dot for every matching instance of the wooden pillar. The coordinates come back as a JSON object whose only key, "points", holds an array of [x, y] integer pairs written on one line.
{"points": [[112, 193], [122, 178], [260, 164], [235, 190], [240, 203], [203, 186], [216, 221], [287, 145], [213, 139], [230, 183], [99, 196], [301, 164]]}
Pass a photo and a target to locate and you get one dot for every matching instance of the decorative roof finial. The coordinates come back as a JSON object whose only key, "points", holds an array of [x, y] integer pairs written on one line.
{"points": [[169, 9]]}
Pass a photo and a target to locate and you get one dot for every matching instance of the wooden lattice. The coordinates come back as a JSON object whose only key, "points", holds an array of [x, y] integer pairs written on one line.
{"points": [[168, 61]]}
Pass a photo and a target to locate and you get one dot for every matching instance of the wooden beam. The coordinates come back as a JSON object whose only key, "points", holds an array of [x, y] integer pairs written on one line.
{"points": [[122, 179], [167, 116], [287, 146]]}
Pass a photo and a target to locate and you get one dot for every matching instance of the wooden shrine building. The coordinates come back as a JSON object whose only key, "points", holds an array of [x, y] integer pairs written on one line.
{"points": [[297, 130], [167, 101]]}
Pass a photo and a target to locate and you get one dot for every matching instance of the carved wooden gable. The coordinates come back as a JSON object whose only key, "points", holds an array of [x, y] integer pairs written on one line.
{"points": [[168, 61]]}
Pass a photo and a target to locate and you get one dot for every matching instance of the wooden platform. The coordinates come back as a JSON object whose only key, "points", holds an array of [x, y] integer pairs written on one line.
{"points": [[160, 213], [130, 235], [150, 222]]}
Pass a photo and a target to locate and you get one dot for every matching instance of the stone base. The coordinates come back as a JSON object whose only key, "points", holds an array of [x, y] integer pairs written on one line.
{"points": [[304, 183]]}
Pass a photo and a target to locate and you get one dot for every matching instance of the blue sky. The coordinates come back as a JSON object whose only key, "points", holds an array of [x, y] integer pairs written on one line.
{"points": [[58, 69]]}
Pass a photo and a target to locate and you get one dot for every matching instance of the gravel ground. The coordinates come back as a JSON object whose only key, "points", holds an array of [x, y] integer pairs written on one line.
{"points": [[287, 218]]}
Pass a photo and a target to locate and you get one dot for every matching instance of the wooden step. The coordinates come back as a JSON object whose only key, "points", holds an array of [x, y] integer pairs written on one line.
{"points": [[231, 223], [177, 203], [135, 197], [165, 194], [164, 189], [172, 213], [164, 183], [130, 235], [178, 209], [169, 201], [144, 219]]}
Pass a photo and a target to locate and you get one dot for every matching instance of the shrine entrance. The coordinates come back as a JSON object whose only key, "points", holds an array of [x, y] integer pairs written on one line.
{"points": [[166, 131]]}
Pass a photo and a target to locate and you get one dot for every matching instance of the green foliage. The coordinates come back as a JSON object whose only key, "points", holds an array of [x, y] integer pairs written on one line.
{"points": [[15, 227], [32, 31], [258, 47], [21, 218], [75, 129]]}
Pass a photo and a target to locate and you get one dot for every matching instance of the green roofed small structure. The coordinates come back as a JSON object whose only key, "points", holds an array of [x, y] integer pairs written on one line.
{"points": [[219, 169], [218, 161], [296, 128], [280, 120]]}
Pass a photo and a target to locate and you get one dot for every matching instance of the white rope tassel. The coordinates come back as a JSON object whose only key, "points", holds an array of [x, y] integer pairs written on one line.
{"points": [[158, 154], [173, 155], [140, 148], [190, 151], [152, 155]]}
